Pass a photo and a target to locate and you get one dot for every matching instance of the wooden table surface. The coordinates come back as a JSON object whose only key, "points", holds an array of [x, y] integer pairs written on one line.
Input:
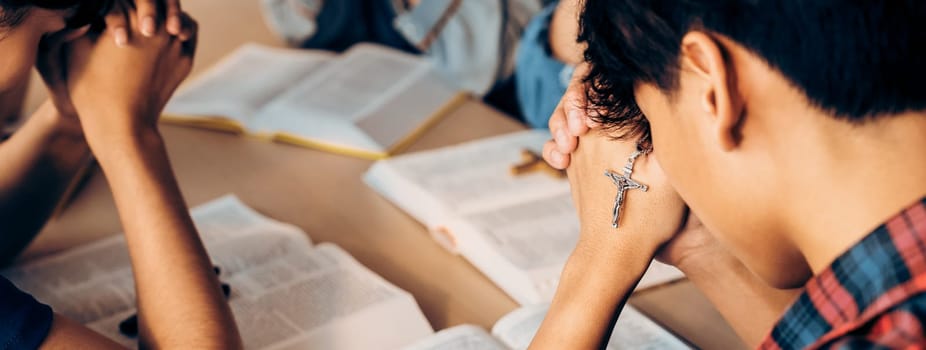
{"points": [[324, 195]]}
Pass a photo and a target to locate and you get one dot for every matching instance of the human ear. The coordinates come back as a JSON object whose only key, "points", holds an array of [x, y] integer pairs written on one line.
{"points": [[704, 56]]}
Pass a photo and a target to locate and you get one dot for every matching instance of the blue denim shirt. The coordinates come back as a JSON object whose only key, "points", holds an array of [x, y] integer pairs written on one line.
{"points": [[540, 79]]}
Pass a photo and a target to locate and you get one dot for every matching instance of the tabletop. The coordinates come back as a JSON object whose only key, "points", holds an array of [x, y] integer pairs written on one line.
{"points": [[324, 195]]}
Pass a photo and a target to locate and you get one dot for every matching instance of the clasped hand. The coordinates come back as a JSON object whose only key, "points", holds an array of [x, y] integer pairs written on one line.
{"points": [[115, 88], [656, 221]]}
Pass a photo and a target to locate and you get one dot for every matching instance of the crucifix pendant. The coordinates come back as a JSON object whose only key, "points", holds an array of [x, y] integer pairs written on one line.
{"points": [[624, 183]]}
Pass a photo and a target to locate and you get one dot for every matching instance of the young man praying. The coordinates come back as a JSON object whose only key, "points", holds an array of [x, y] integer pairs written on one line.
{"points": [[795, 131]]}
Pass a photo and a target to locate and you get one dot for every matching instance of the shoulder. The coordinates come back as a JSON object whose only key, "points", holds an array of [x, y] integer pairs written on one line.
{"points": [[24, 322], [898, 327]]}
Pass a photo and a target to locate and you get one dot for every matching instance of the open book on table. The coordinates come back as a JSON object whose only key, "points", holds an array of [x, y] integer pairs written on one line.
{"points": [[370, 102], [285, 292], [516, 330], [517, 229]]}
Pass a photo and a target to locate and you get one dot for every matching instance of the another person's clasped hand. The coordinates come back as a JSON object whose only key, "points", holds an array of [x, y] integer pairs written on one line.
{"points": [[146, 17], [121, 90]]}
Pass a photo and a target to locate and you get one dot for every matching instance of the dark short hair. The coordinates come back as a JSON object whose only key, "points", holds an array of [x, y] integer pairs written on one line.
{"points": [[84, 12], [857, 59]]}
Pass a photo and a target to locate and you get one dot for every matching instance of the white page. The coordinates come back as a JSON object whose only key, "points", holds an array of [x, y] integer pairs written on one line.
{"points": [[284, 292], [475, 175], [632, 331], [226, 217], [245, 81], [328, 106], [518, 230], [537, 237], [531, 235], [521, 247], [323, 300], [463, 337], [89, 282]]}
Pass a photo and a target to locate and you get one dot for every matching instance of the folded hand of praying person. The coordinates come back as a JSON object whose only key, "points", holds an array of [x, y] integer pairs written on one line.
{"points": [[647, 218], [150, 15], [108, 82]]}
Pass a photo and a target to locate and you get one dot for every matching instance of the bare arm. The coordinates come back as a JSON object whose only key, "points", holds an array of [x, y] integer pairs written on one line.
{"points": [[180, 301], [119, 92], [38, 163], [748, 304], [67, 334], [593, 288]]}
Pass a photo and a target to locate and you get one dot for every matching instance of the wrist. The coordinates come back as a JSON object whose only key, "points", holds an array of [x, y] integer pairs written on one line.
{"points": [[113, 145], [616, 252], [627, 240]]}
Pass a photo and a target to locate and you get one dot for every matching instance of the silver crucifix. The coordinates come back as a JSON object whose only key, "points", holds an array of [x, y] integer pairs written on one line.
{"points": [[624, 183]]}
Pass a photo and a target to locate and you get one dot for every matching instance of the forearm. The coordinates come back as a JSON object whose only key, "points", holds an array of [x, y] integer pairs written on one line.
{"points": [[39, 162], [748, 304], [179, 298], [596, 282]]}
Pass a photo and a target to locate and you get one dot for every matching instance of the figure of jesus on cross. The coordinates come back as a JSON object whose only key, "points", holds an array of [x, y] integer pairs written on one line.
{"points": [[624, 183]]}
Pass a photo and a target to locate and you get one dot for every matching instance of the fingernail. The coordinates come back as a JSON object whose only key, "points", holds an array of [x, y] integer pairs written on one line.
{"points": [[174, 26], [148, 26], [121, 37]]}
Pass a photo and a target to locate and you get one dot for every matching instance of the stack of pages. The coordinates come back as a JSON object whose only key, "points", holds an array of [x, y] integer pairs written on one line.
{"points": [[370, 102], [286, 293], [517, 229]]}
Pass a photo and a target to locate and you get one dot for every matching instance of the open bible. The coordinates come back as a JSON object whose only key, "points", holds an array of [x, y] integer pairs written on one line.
{"points": [[517, 229], [285, 292], [371, 101], [516, 330]]}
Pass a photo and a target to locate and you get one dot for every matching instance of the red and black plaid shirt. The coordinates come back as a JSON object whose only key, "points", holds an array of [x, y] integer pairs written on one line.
{"points": [[873, 296]]}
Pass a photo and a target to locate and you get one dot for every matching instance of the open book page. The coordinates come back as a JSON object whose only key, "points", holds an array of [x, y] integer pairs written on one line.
{"points": [[323, 300], [518, 230], [244, 82], [463, 337], [329, 106], [632, 331], [435, 185], [226, 218], [523, 247], [283, 291]]}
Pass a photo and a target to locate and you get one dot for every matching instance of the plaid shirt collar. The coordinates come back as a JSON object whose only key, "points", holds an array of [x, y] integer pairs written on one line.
{"points": [[885, 269]]}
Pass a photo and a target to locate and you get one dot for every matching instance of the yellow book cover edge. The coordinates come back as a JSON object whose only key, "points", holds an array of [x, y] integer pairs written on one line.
{"points": [[231, 126]]}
